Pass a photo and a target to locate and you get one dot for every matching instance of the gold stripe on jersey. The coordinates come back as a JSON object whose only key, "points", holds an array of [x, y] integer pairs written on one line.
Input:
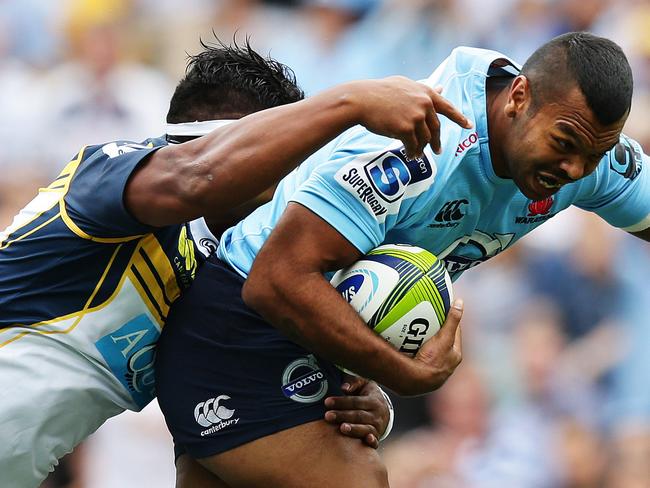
{"points": [[65, 176], [80, 233], [163, 267], [38, 328], [146, 291], [55, 187], [63, 184], [154, 278], [6, 244]]}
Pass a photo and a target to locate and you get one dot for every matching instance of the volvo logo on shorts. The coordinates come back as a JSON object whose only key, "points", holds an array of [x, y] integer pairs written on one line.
{"points": [[303, 381], [211, 413]]}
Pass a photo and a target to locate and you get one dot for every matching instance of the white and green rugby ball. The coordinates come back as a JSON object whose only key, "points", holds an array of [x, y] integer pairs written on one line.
{"points": [[402, 292]]}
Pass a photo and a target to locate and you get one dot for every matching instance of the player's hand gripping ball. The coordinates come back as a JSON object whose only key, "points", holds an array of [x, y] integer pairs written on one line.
{"points": [[402, 292]]}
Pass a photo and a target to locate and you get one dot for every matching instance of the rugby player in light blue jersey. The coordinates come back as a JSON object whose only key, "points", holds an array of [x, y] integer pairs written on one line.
{"points": [[90, 268], [546, 136]]}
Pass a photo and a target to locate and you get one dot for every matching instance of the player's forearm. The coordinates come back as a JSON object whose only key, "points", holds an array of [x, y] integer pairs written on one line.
{"points": [[314, 315], [236, 163], [278, 139]]}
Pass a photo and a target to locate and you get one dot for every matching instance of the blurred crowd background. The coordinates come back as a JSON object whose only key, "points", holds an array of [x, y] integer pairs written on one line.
{"points": [[554, 390]]}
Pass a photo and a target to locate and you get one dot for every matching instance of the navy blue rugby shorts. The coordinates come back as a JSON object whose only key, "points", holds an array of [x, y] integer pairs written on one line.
{"points": [[225, 377]]}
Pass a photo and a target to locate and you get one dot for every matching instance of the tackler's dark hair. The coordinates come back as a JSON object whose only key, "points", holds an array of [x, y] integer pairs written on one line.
{"points": [[230, 81]]}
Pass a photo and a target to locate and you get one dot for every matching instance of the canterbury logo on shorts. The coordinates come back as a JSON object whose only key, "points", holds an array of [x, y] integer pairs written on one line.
{"points": [[211, 413]]}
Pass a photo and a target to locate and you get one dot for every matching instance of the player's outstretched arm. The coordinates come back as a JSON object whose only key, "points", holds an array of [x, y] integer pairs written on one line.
{"points": [[235, 163], [286, 286]]}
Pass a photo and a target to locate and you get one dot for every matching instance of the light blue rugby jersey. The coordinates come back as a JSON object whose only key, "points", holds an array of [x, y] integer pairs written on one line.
{"points": [[452, 204]]}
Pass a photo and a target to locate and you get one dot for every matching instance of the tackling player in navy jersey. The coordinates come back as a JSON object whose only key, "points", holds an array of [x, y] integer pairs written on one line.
{"points": [[90, 268], [546, 136]]}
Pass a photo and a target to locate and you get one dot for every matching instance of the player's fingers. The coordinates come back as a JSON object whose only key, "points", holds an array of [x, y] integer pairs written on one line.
{"points": [[350, 416], [372, 441], [352, 402], [456, 355], [423, 135], [359, 431], [449, 110], [450, 329], [352, 384], [353, 417], [458, 341], [433, 125], [410, 142]]}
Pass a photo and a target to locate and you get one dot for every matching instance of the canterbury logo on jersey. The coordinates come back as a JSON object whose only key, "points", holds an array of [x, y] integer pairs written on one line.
{"points": [[450, 213]]}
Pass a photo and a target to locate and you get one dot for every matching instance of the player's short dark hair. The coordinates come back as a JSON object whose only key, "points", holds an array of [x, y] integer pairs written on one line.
{"points": [[597, 65], [230, 81]]}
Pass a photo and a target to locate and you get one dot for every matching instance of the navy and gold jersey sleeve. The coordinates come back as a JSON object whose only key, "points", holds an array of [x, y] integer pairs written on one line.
{"points": [[94, 202]]}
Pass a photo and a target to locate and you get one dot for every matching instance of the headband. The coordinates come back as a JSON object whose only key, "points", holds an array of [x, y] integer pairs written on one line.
{"points": [[196, 129]]}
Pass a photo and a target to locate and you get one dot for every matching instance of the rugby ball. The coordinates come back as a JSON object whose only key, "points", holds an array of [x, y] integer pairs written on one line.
{"points": [[402, 292]]}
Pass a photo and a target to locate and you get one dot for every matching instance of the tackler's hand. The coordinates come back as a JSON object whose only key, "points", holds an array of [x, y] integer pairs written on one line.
{"points": [[408, 110], [363, 413]]}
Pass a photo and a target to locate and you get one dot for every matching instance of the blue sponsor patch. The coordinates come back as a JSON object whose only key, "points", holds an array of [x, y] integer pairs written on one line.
{"points": [[391, 172], [130, 354]]}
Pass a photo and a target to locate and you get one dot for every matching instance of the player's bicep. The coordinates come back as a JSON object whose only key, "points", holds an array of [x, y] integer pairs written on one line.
{"points": [[159, 193], [304, 242], [285, 284]]}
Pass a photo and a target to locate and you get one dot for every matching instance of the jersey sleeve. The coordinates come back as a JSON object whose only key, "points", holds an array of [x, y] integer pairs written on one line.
{"points": [[94, 202], [620, 190], [363, 188]]}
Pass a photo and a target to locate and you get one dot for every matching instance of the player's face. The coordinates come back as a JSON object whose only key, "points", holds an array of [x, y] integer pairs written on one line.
{"points": [[557, 143]]}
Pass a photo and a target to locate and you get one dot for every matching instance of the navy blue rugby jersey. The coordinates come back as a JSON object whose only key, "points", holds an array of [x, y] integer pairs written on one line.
{"points": [[77, 267]]}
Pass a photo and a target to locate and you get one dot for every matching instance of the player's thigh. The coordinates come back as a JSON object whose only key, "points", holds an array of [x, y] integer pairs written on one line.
{"points": [[312, 455], [191, 474], [225, 378]]}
